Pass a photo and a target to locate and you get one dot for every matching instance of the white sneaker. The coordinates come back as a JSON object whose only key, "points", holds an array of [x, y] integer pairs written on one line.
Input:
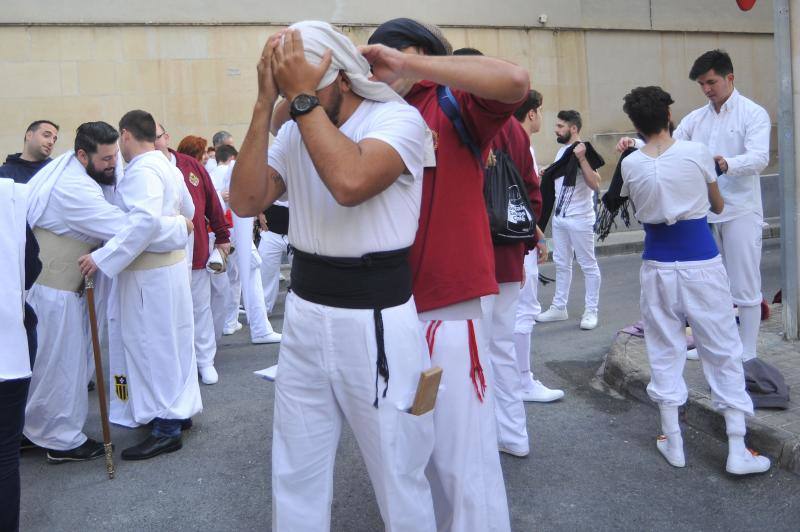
{"points": [[271, 338], [673, 455], [227, 331], [589, 320], [514, 452], [536, 392], [208, 375], [553, 314], [747, 463]]}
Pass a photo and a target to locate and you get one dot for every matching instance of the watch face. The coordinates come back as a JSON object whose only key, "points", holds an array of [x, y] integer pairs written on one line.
{"points": [[303, 102]]}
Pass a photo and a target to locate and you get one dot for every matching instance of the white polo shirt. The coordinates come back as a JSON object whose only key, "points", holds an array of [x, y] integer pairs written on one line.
{"points": [[740, 133], [672, 186], [388, 221]]}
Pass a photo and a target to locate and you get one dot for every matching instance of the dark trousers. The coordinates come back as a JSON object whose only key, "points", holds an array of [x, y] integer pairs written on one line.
{"points": [[13, 396]]}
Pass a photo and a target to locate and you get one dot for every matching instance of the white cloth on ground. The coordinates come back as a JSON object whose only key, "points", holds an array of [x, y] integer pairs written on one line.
{"points": [[327, 376], [499, 313], [575, 235]]}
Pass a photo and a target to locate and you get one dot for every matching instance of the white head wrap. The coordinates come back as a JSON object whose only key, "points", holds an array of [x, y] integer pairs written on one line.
{"points": [[318, 37]]}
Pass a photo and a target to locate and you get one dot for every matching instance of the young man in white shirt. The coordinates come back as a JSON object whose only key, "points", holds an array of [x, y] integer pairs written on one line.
{"points": [[573, 229], [351, 164], [736, 131], [673, 184], [529, 115]]}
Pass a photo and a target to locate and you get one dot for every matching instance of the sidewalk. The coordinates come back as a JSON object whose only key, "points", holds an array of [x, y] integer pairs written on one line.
{"points": [[776, 433]]}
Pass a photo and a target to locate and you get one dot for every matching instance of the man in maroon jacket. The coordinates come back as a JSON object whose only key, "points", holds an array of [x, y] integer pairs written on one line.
{"points": [[207, 212]]}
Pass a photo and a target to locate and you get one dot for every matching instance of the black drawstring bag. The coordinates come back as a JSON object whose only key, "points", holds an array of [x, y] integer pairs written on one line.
{"points": [[511, 217]]}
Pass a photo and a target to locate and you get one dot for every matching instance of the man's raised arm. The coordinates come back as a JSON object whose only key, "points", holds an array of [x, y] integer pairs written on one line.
{"points": [[484, 77], [254, 185]]}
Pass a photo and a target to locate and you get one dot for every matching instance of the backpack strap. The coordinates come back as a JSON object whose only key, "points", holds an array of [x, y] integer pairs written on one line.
{"points": [[450, 107]]}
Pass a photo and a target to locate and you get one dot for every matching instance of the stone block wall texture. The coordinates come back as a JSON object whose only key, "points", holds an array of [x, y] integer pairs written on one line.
{"points": [[194, 68]]}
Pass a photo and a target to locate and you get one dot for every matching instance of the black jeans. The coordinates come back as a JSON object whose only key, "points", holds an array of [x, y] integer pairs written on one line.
{"points": [[13, 396]]}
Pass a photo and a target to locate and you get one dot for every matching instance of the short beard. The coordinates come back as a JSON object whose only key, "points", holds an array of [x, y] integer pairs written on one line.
{"points": [[565, 139], [100, 177], [335, 107]]}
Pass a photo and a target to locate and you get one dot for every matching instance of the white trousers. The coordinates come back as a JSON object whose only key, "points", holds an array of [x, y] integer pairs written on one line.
{"points": [[57, 400], [253, 293], [528, 306], [156, 328], [499, 313], [697, 292], [220, 298], [205, 344], [739, 243], [234, 297], [465, 474], [271, 249], [327, 375], [575, 236]]}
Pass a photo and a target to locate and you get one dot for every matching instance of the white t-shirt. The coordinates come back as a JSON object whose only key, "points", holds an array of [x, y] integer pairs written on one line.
{"points": [[385, 222], [740, 133], [582, 202], [672, 186]]}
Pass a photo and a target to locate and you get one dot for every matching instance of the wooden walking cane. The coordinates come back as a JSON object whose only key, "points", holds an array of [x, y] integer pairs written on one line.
{"points": [[101, 383]]}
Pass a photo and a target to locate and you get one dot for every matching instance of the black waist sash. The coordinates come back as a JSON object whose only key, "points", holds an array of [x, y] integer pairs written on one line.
{"points": [[374, 281]]}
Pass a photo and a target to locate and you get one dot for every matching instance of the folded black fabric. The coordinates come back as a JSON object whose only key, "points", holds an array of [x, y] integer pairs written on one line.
{"points": [[613, 203], [401, 33], [567, 166], [765, 384]]}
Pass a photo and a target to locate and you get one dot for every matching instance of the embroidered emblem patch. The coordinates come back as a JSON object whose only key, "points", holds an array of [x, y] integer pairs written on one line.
{"points": [[121, 387], [193, 179]]}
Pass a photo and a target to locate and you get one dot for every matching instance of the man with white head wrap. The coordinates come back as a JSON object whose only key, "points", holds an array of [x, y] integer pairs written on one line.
{"points": [[70, 215], [351, 165]]}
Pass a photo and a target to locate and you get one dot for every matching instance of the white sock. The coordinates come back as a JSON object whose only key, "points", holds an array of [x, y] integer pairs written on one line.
{"points": [[736, 429], [749, 323], [673, 451]]}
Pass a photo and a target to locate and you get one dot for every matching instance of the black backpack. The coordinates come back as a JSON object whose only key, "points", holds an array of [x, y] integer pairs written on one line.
{"points": [[511, 217]]}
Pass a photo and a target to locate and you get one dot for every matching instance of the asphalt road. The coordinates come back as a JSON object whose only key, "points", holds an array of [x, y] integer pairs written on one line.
{"points": [[593, 464]]}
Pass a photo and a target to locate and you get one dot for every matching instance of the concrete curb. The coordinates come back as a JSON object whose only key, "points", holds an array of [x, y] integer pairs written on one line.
{"points": [[625, 370]]}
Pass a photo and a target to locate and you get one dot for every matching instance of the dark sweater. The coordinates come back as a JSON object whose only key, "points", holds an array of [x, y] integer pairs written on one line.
{"points": [[20, 170]]}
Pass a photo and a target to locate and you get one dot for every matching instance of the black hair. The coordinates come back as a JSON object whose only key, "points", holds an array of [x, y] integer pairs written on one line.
{"points": [[648, 109], [717, 60], [37, 123], [224, 152], [467, 51], [571, 117], [531, 103], [140, 124], [91, 134]]}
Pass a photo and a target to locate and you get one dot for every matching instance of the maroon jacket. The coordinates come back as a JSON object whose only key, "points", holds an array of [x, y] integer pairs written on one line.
{"points": [[207, 208]]}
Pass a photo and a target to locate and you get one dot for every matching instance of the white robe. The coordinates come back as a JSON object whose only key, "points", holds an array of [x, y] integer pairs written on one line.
{"points": [[73, 205], [152, 326]]}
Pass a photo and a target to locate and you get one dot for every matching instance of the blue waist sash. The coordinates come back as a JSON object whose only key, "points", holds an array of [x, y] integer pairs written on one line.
{"points": [[683, 241]]}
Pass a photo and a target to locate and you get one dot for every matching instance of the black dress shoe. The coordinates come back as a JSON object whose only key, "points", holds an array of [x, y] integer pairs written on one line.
{"points": [[90, 386], [152, 446], [90, 450], [186, 424]]}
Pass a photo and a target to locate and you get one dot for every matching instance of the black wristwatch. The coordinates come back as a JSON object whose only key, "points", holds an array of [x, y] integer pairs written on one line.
{"points": [[302, 104]]}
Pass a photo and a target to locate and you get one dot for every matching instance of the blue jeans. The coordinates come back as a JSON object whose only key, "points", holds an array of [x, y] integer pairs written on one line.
{"points": [[13, 396], [166, 428]]}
